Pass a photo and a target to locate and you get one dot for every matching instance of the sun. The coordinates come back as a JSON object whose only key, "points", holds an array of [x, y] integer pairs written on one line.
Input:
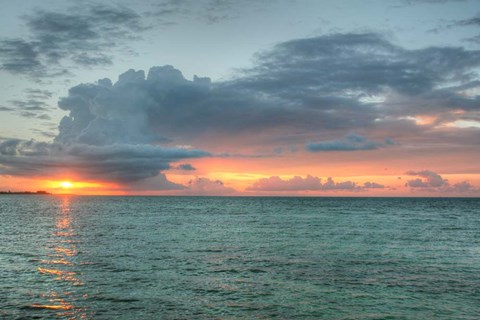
{"points": [[66, 184]]}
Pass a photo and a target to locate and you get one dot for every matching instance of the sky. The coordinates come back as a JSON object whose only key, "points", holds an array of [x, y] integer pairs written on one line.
{"points": [[241, 98]]}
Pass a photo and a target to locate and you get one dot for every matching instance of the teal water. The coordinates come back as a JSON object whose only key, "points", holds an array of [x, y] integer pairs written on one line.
{"points": [[238, 258]]}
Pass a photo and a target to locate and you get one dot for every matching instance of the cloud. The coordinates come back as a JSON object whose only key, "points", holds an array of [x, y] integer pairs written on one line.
{"points": [[84, 36], [462, 187], [373, 185], [159, 182], [205, 186], [475, 39], [185, 167], [108, 134], [44, 133], [469, 23], [122, 163], [103, 113], [19, 56], [14, 147], [309, 183], [38, 94], [31, 108], [296, 183], [33, 115], [362, 82], [87, 35], [416, 2], [351, 142], [30, 105], [433, 182], [209, 11], [315, 85], [430, 179], [367, 62], [161, 107], [299, 89], [474, 21]]}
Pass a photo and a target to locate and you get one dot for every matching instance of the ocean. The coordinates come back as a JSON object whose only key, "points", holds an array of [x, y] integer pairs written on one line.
{"points": [[79, 257]]}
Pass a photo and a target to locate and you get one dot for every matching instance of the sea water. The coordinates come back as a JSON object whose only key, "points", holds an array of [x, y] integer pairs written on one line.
{"points": [[76, 257]]}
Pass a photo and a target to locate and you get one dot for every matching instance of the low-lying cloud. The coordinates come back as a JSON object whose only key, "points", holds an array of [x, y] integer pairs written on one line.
{"points": [[205, 186], [309, 183], [433, 182]]}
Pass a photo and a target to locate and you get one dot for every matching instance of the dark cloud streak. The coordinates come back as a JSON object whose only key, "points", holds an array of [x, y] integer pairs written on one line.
{"points": [[352, 142], [83, 37]]}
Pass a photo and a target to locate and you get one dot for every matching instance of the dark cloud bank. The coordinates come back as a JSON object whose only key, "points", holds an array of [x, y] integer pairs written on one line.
{"points": [[115, 162], [340, 92]]}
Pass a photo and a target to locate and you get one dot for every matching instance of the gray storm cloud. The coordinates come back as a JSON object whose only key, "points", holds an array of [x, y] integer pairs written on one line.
{"points": [[106, 135], [319, 86], [116, 162]]}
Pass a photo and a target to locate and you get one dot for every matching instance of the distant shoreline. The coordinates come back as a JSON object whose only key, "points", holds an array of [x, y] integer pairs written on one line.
{"points": [[40, 192]]}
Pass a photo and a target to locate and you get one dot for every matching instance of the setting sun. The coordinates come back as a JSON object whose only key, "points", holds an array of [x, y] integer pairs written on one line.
{"points": [[69, 185]]}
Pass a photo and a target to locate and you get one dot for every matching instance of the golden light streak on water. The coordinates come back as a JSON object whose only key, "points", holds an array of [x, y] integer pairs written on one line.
{"points": [[53, 307], [64, 257], [66, 251], [59, 261]]}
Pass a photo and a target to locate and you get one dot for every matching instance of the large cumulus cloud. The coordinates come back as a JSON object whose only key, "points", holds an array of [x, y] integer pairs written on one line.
{"points": [[129, 110], [299, 91], [165, 107]]}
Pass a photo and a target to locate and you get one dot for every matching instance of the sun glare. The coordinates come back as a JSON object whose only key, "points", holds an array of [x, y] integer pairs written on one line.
{"points": [[69, 185], [66, 184]]}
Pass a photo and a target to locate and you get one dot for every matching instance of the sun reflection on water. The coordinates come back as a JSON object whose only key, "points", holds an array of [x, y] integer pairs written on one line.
{"points": [[62, 267]]}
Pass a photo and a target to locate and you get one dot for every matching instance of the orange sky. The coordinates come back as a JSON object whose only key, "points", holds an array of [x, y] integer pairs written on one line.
{"points": [[241, 174]]}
